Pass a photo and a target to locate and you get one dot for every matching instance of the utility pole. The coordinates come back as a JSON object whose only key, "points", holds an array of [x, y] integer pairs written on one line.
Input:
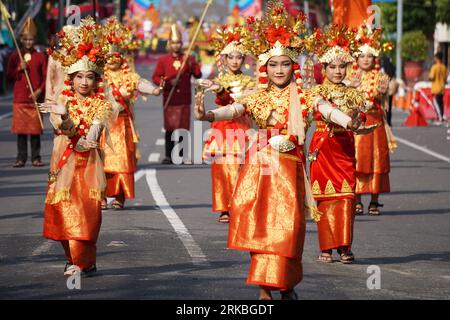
{"points": [[117, 9], [306, 7], [61, 13], [94, 13], [399, 38]]}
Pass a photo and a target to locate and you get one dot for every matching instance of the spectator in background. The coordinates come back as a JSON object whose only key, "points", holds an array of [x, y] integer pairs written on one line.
{"points": [[388, 67], [438, 76]]}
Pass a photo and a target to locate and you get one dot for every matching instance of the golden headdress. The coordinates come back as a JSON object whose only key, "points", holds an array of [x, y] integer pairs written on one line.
{"points": [[119, 37], [29, 27], [82, 48], [277, 34], [335, 43], [228, 39], [369, 40], [175, 33]]}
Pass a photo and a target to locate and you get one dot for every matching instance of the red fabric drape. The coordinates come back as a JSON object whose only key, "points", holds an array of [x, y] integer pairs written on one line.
{"points": [[350, 12]]}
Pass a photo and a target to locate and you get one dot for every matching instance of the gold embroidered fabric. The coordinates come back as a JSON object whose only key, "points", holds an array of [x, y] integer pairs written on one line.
{"points": [[343, 97], [91, 108], [236, 82], [262, 104], [125, 81]]}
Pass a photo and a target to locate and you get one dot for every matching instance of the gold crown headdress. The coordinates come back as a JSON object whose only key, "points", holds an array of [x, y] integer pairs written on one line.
{"points": [[335, 43], [369, 40], [29, 27], [276, 34], [228, 39], [119, 37], [82, 48], [175, 33]]}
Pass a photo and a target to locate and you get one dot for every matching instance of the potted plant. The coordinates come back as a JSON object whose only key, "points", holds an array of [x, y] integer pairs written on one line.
{"points": [[415, 47]]}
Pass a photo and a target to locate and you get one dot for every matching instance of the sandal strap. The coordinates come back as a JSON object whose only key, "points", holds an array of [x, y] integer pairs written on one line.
{"points": [[376, 204]]}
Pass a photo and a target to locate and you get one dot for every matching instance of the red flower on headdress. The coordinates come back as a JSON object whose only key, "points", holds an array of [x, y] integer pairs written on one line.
{"points": [[87, 50], [263, 80], [365, 40], [279, 34], [83, 49], [318, 34], [339, 41], [278, 10], [233, 37], [251, 20], [262, 69], [93, 54]]}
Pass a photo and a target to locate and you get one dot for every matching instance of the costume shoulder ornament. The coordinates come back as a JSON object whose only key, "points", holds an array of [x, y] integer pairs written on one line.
{"points": [[341, 96], [229, 80]]}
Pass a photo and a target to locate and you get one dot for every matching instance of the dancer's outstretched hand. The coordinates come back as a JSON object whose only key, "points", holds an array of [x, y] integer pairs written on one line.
{"points": [[367, 130], [199, 110], [52, 108]]}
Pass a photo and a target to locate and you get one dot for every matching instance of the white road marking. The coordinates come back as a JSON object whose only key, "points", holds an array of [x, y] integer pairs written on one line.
{"points": [[6, 115], [42, 248], [117, 244], [194, 250], [423, 149], [160, 142], [154, 157]]}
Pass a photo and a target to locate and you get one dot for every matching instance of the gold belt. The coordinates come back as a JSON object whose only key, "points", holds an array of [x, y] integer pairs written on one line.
{"points": [[322, 127], [282, 131]]}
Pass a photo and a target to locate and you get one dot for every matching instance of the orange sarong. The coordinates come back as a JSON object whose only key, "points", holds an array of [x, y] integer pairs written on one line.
{"points": [[372, 157], [80, 253], [267, 218], [76, 220], [335, 228], [120, 163]]}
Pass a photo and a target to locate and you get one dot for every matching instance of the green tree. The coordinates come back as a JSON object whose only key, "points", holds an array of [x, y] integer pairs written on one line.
{"points": [[417, 15], [443, 11]]}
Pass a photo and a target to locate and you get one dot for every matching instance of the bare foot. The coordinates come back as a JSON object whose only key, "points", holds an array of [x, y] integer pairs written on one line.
{"points": [[264, 294]]}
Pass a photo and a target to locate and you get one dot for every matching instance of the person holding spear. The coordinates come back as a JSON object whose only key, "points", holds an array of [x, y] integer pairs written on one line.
{"points": [[27, 69], [177, 74]]}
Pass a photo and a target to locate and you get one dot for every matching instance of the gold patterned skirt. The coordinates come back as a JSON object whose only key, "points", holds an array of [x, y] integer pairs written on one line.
{"points": [[77, 214], [267, 217], [372, 157], [120, 163]]}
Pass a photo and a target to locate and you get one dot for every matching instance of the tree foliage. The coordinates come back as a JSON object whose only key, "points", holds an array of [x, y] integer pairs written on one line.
{"points": [[417, 15]]}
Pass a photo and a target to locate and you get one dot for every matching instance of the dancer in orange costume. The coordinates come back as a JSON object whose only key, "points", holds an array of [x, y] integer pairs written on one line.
{"points": [[267, 212], [372, 150], [332, 151], [226, 152], [76, 180], [121, 160]]}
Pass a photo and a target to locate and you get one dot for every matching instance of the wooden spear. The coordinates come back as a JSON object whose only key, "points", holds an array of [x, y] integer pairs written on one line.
{"points": [[188, 53]]}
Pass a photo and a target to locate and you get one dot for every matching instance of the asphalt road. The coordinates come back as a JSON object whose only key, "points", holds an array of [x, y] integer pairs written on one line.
{"points": [[167, 244]]}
